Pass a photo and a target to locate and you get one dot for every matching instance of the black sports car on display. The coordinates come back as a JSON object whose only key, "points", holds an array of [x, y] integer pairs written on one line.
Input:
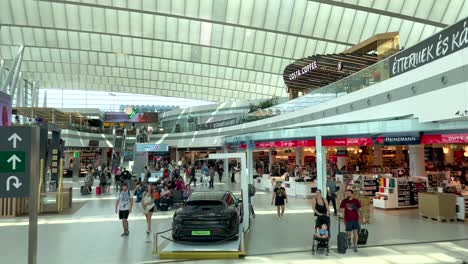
{"points": [[208, 216]]}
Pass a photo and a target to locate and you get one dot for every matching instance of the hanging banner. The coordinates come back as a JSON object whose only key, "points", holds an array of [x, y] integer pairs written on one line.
{"points": [[445, 139], [446, 42], [146, 147], [5, 110]]}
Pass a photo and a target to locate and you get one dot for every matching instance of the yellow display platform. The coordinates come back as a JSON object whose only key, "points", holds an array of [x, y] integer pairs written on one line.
{"points": [[226, 250]]}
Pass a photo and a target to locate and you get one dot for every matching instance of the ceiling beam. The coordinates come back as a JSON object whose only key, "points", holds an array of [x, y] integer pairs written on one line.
{"points": [[142, 38], [381, 12], [67, 77], [61, 63], [154, 13], [142, 56]]}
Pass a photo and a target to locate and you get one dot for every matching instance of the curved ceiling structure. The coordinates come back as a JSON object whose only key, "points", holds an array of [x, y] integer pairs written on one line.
{"points": [[215, 50]]}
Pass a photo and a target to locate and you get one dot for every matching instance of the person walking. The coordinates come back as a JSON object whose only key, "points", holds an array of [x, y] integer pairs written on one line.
{"points": [[204, 172], [123, 207], [279, 198], [331, 193], [126, 177], [233, 173], [220, 171], [211, 174], [351, 206], [321, 208], [148, 206], [192, 176]]}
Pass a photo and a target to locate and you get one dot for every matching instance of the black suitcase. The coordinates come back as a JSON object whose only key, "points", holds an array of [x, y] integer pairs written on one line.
{"points": [[341, 240], [363, 235]]}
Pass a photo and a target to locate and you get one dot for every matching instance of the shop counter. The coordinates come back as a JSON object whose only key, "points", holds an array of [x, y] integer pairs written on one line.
{"points": [[304, 189], [264, 183]]}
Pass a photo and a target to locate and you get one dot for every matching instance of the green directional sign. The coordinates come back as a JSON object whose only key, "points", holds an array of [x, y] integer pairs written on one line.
{"points": [[12, 161]]}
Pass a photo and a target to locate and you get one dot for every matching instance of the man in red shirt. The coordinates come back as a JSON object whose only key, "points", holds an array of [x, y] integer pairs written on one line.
{"points": [[351, 206]]}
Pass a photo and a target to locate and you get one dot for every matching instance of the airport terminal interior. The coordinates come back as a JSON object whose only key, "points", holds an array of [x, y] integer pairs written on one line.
{"points": [[233, 131]]}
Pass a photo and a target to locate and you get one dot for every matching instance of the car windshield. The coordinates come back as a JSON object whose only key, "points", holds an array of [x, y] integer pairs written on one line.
{"points": [[204, 203]]}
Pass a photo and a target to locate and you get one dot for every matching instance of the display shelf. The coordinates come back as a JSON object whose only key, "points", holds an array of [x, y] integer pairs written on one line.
{"points": [[400, 192]]}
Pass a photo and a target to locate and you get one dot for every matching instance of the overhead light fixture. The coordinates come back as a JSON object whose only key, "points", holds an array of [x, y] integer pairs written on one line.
{"points": [[360, 150], [465, 154], [446, 150]]}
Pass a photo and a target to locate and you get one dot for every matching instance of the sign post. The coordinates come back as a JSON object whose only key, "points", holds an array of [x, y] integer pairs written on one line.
{"points": [[19, 173]]}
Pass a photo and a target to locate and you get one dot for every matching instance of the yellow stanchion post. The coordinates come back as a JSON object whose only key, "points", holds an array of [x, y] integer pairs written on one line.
{"points": [[41, 176], [59, 193]]}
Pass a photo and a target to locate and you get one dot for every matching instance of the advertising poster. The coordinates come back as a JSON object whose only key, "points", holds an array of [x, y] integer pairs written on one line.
{"points": [[5, 109], [121, 117]]}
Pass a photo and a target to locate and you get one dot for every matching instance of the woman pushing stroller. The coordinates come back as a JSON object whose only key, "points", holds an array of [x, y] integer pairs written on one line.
{"points": [[322, 223]]}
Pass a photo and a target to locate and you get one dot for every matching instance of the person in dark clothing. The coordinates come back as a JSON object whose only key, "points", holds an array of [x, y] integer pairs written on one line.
{"points": [[331, 193], [192, 176], [126, 177], [279, 198], [220, 172], [211, 175], [321, 208]]}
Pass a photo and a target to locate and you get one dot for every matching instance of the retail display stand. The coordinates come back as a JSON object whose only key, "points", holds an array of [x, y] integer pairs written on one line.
{"points": [[462, 206], [397, 193]]}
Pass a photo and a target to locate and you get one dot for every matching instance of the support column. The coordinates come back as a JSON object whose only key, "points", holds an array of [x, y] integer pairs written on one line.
{"points": [[177, 156], [399, 155], [270, 159], [416, 159], [321, 153], [104, 157], [378, 160], [299, 156], [76, 168], [192, 157], [250, 162], [226, 165]]}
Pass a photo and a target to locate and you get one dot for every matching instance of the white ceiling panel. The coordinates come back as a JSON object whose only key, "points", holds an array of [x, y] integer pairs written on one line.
{"points": [[240, 44]]}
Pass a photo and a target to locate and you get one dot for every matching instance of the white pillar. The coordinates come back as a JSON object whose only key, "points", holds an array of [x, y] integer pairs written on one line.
{"points": [[226, 165], [321, 153], [270, 159], [192, 157], [299, 156], [378, 160], [177, 156], [250, 163], [416, 160]]}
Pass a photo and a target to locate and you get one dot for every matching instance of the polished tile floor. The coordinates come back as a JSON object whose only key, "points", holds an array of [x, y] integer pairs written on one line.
{"points": [[92, 235]]}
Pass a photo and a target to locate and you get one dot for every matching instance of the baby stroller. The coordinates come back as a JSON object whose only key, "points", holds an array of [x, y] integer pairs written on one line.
{"points": [[318, 242]]}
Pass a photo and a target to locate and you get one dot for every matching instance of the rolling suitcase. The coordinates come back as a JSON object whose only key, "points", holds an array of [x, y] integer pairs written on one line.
{"points": [[341, 240], [98, 190], [363, 235]]}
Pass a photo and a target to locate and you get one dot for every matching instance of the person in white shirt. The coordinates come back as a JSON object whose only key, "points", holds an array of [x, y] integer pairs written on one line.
{"points": [[123, 207]]}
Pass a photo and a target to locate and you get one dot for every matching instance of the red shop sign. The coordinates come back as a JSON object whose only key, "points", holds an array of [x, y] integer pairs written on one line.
{"points": [[445, 139], [347, 142], [285, 144]]}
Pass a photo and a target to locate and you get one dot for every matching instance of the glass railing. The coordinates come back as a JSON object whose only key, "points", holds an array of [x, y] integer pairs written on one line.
{"points": [[375, 73]]}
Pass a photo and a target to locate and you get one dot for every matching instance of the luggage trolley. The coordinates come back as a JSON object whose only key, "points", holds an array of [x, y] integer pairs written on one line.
{"points": [[318, 242]]}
